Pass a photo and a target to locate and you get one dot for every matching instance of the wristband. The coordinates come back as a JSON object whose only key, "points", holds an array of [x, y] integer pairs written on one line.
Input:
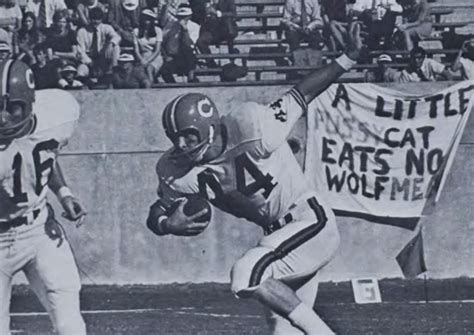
{"points": [[159, 225], [63, 192], [219, 13], [345, 62]]}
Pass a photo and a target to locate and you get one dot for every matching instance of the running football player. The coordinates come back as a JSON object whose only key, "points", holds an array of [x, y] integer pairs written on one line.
{"points": [[243, 165], [33, 128]]}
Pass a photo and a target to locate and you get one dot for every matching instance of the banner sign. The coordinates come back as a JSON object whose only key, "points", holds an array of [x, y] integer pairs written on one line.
{"points": [[376, 152]]}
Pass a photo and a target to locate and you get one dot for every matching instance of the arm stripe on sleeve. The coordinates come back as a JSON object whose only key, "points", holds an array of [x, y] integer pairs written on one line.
{"points": [[299, 98]]}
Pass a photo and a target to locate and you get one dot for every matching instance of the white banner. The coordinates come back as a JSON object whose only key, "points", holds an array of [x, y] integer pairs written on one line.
{"points": [[377, 151]]}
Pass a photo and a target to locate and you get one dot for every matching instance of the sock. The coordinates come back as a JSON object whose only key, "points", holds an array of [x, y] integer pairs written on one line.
{"points": [[307, 320]]}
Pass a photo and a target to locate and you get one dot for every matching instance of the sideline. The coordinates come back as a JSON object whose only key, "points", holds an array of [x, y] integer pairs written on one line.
{"points": [[194, 310]]}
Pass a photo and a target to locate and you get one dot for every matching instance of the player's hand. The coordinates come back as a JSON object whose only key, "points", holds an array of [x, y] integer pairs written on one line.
{"points": [[73, 210], [180, 224], [354, 41]]}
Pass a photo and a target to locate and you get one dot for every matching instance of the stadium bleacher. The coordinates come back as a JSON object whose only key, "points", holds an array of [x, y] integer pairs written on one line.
{"points": [[263, 50], [259, 27]]}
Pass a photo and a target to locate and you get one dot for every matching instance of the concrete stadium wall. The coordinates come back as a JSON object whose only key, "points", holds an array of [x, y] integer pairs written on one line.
{"points": [[110, 165]]}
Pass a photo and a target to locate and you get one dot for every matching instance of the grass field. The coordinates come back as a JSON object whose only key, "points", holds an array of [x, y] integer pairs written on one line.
{"points": [[408, 307]]}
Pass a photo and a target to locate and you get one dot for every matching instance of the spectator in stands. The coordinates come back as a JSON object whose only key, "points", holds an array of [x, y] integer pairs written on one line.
{"points": [[27, 38], [5, 50], [44, 11], [123, 16], [10, 17], [301, 20], [82, 11], [199, 9], [179, 38], [68, 79], [166, 11], [336, 21], [129, 75], [98, 44], [45, 72], [218, 26], [147, 44], [378, 18], [417, 23], [61, 39], [465, 64], [384, 72], [422, 68]]}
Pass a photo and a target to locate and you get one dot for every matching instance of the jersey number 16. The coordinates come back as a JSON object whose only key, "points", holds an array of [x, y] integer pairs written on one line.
{"points": [[19, 196]]}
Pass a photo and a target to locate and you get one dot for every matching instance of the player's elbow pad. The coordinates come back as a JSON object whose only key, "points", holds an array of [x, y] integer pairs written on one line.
{"points": [[157, 210]]}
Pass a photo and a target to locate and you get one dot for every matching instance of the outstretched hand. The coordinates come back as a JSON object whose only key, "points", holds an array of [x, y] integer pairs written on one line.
{"points": [[354, 41], [180, 224]]}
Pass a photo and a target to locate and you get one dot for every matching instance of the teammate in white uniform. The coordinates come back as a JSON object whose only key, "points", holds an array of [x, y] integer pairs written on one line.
{"points": [[244, 166], [33, 128]]}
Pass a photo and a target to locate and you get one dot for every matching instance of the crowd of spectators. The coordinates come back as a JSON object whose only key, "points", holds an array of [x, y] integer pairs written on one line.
{"points": [[75, 44], [120, 43], [310, 18], [419, 68], [301, 20], [387, 25]]}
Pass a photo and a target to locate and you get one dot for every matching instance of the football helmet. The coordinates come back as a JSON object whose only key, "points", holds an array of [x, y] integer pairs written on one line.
{"points": [[196, 113], [17, 85]]}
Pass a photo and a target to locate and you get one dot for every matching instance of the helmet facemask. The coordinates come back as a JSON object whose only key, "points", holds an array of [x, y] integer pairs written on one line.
{"points": [[19, 128], [196, 154]]}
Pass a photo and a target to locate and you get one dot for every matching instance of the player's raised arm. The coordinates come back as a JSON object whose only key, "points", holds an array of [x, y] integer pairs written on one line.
{"points": [[316, 82], [277, 120]]}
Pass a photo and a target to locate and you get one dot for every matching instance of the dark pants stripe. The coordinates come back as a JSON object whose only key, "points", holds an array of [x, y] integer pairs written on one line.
{"points": [[291, 244]]}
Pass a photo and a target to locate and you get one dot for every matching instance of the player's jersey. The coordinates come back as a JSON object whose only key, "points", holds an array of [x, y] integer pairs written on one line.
{"points": [[25, 163], [257, 177]]}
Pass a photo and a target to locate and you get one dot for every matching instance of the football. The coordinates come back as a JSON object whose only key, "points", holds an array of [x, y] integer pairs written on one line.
{"points": [[194, 204]]}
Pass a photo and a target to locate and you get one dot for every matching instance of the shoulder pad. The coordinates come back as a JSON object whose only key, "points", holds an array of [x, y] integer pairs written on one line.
{"points": [[243, 123], [54, 108]]}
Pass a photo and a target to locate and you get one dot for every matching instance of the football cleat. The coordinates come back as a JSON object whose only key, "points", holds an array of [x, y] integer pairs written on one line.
{"points": [[17, 85], [195, 113]]}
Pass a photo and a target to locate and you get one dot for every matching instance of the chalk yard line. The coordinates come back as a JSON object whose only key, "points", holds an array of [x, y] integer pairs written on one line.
{"points": [[416, 302], [181, 311], [192, 310]]}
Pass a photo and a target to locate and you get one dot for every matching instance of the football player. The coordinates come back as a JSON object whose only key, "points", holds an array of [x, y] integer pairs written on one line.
{"points": [[243, 165], [33, 128]]}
